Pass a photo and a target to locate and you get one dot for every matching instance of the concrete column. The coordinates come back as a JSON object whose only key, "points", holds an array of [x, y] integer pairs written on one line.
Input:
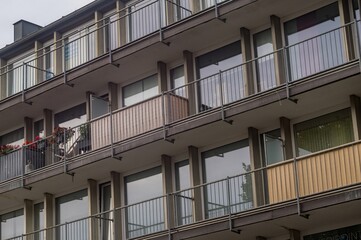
{"points": [[49, 215], [194, 167], [170, 12], [88, 98], [28, 129], [195, 6], [121, 24], [39, 62], [93, 209], [58, 54], [28, 216], [345, 15], [113, 95], [356, 116], [99, 34], [276, 29], [116, 203], [189, 77], [246, 46], [256, 163], [168, 189], [294, 234], [48, 130], [286, 137], [3, 82]]}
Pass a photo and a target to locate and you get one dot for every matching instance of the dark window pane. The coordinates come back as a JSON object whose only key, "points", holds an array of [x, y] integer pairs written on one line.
{"points": [[71, 117]]}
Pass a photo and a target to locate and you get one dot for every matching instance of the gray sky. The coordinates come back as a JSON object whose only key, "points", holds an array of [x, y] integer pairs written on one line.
{"points": [[41, 12]]}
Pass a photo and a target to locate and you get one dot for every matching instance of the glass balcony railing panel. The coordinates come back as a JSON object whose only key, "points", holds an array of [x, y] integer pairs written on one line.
{"points": [[76, 230], [145, 218], [317, 54], [184, 203]]}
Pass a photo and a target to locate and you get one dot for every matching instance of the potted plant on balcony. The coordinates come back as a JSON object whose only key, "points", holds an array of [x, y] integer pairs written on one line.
{"points": [[83, 131], [61, 135], [6, 149]]}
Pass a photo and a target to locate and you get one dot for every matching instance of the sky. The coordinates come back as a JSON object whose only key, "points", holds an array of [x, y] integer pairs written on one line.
{"points": [[40, 12]]}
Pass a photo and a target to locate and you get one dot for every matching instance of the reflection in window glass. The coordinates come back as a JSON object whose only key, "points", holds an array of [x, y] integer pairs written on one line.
{"points": [[39, 220], [39, 129], [228, 161], [69, 208], [105, 205], [309, 54], [324, 132], [266, 78], [209, 66], [184, 199], [13, 138], [178, 81], [273, 147], [72, 117], [12, 224], [141, 90], [145, 217]]}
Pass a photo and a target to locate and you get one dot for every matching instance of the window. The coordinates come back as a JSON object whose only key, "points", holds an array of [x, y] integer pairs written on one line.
{"points": [[273, 147], [141, 90], [69, 208], [12, 224], [324, 132], [184, 202], [48, 63], [13, 138], [99, 106], [208, 69], [39, 128], [266, 78], [39, 220], [182, 9], [178, 81], [72, 117], [316, 42], [227, 161], [106, 205], [145, 217]]}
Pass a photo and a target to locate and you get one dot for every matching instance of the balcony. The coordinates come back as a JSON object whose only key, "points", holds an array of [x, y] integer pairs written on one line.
{"points": [[289, 182]]}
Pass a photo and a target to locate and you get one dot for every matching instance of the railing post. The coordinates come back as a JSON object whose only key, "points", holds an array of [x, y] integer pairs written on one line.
{"points": [[164, 116], [64, 61], [295, 171], [358, 42], [109, 41], [221, 92], [169, 222], [64, 143], [24, 81], [286, 73], [66, 231], [111, 129]]}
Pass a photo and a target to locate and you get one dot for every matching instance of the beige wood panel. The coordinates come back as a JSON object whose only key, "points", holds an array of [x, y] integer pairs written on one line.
{"points": [[281, 183], [329, 170]]}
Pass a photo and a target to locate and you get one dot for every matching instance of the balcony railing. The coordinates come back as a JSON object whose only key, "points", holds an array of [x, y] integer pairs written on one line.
{"points": [[288, 181]]}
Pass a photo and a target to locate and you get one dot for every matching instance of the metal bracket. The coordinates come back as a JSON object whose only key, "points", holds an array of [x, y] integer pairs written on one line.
{"points": [[27, 188], [117, 65], [27, 102], [294, 100], [223, 20], [69, 84], [166, 43], [305, 216], [236, 231], [172, 140], [230, 122]]}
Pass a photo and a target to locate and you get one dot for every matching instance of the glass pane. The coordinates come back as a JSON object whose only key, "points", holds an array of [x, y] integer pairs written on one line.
{"points": [[69, 208], [39, 129], [39, 220], [13, 138], [99, 107], [228, 161], [141, 90], [208, 69], [12, 224], [273, 147], [266, 78], [106, 199], [150, 87], [72, 117], [309, 54], [184, 199], [324, 132], [178, 80], [147, 216]]}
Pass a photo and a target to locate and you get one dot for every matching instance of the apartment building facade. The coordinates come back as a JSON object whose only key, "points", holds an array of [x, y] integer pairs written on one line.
{"points": [[183, 119]]}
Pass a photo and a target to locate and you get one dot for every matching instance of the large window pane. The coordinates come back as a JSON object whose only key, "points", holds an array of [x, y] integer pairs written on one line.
{"points": [[308, 56], [208, 69], [15, 138], [266, 78], [39, 221], [227, 161], [12, 224], [105, 205], [177, 81], [143, 191], [141, 90], [324, 132], [273, 147], [69, 208], [184, 196]]}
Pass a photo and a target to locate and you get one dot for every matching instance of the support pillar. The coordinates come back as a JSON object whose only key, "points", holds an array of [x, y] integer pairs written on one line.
{"points": [[113, 95], [345, 16], [276, 30], [28, 129], [3, 82], [294, 234], [246, 47], [121, 23], [99, 34], [286, 137], [256, 163], [48, 130], [49, 215], [39, 62], [162, 76], [116, 203], [58, 54], [194, 167], [168, 189], [356, 116], [93, 209], [28, 216], [189, 77]]}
